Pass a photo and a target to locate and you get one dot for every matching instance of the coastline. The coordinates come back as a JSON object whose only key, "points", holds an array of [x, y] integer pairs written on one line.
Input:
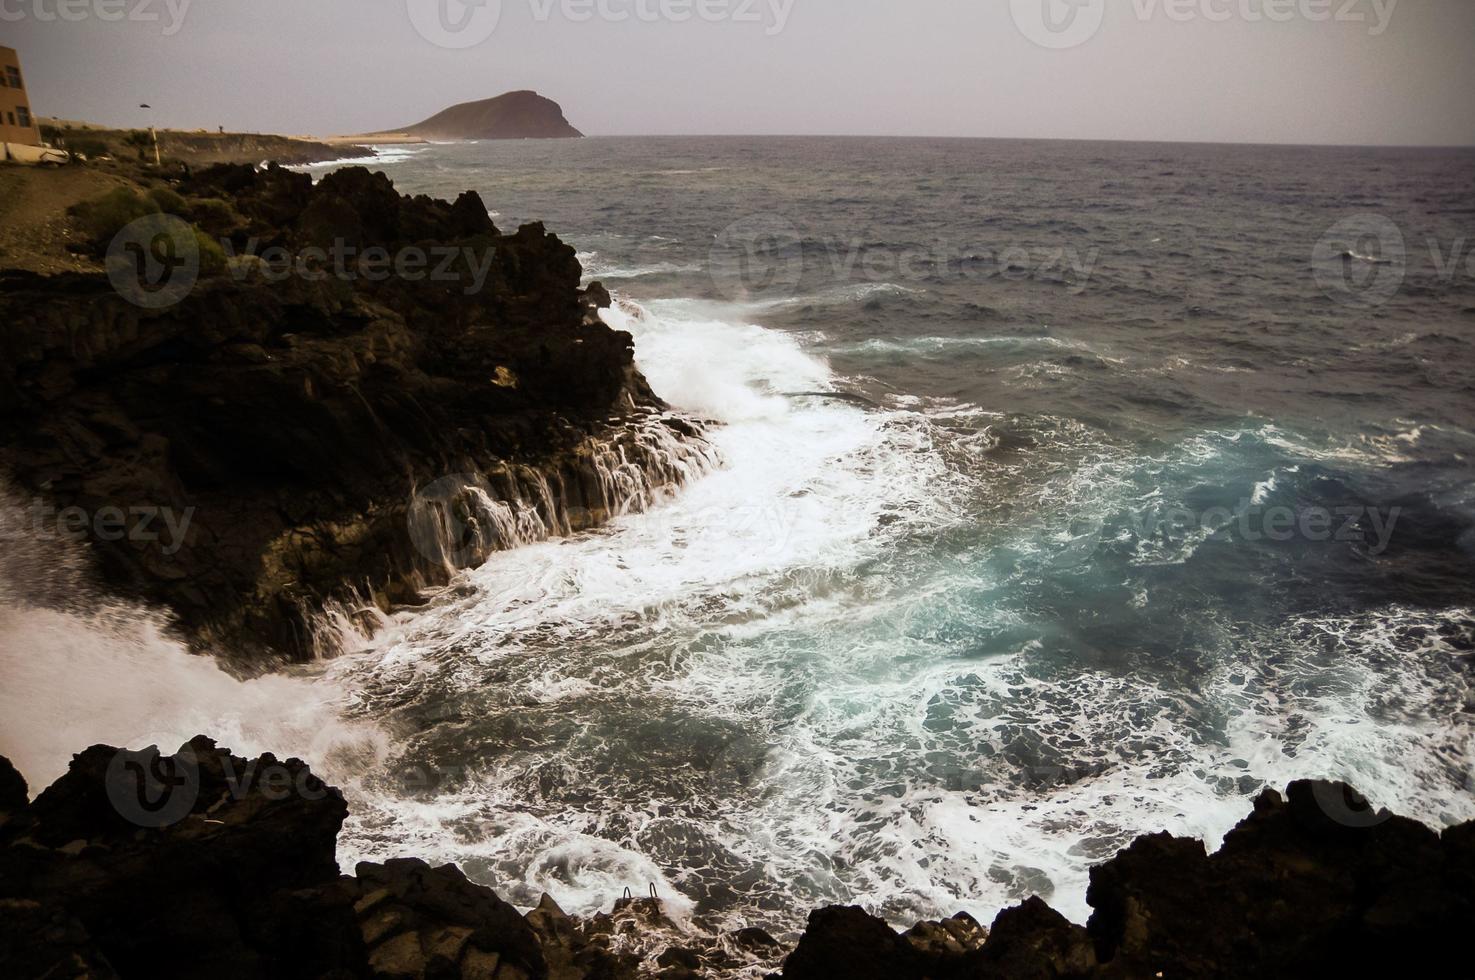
{"points": [[1028, 940], [231, 862], [412, 438]]}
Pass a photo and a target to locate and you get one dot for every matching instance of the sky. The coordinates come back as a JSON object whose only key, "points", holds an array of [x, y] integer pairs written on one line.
{"points": [[1277, 71]]}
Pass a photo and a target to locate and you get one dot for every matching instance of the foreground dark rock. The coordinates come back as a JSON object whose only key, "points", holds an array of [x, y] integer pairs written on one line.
{"points": [[204, 864], [1313, 883], [290, 435]]}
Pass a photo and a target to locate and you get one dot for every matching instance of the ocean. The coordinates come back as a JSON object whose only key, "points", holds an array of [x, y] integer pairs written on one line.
{"points": [[1070, 492]]}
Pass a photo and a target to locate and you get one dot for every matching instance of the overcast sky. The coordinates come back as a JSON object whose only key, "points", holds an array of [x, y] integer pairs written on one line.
{"points": [[1218, 70]]}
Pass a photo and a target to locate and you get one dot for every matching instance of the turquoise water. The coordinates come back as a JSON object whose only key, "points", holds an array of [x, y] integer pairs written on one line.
{"points": [[1143, 496]]}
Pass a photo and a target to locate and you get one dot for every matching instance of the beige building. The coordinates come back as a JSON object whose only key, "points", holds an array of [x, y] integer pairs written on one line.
{"points": [[17, 121]]}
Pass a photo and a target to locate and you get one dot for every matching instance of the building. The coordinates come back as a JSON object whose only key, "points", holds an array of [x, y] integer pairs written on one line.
{"points": [[17, 122]]}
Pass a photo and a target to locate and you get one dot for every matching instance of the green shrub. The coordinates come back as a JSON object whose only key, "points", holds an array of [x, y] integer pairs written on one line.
{"points": [[168, 201], [103, 217], [212, 256], [214, 215]]}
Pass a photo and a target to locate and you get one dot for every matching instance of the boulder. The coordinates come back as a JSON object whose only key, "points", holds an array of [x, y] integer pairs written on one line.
{"points": [[417, 921]]}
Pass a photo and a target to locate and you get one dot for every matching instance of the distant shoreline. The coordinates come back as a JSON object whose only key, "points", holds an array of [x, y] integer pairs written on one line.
{"points": [[201, 147]]}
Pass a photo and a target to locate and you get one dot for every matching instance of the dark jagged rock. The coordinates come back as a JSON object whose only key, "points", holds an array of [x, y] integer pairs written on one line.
{"points": [[1314, 883], [175, 866], [849, 942], [418, 921], [135, 864], [14, 794], [513, 116], [1031, 941], [297, 417]]}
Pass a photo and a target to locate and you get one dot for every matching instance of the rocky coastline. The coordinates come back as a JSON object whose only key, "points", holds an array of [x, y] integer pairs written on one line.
{"points": [[345, 395], [326, 398], [134, 864]]}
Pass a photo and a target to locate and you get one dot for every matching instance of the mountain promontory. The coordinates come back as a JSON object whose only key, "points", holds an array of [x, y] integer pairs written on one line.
{"points": [[513, 116]]}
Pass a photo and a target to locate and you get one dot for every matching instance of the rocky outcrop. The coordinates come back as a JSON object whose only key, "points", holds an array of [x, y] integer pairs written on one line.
{"points": [[135, 864], [523, 115], [1313, 883], [198, 148], [370, 391], [175, 866]]}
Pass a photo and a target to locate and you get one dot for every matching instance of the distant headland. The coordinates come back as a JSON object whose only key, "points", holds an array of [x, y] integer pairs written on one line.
{"points": [[514, 116]]}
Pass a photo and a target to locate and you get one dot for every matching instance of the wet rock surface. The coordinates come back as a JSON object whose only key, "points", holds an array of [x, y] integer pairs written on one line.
{"points": [[137, 864], [251, 453], [1313, 883]]}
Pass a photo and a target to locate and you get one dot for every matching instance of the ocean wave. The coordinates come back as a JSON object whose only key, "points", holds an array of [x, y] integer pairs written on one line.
{"points": [[604, 625], [596, 268], [944, 346], [115, 671], [385, 154]]}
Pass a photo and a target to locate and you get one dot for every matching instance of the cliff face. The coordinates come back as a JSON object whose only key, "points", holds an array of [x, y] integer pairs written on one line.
{"points": [[308, 430], [203, 864], [513, 116]]}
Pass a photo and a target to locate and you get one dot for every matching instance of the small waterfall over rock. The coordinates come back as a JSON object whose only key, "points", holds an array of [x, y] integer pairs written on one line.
{"points": [[459, 520]]}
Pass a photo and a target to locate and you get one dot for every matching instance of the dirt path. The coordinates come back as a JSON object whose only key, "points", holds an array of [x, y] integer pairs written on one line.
{"points": [[34, 227]]}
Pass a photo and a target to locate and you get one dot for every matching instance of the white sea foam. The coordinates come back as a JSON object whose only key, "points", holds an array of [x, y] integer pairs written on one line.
{"points": [[385, 154], [789, 686], [946, 346], [770, 686], [81, 669], [596, 268], [808, 490]]}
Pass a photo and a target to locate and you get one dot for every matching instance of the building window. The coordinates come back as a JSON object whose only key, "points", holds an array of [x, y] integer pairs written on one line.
{"points": [[12, 74], [23, 115], [12, 118]]}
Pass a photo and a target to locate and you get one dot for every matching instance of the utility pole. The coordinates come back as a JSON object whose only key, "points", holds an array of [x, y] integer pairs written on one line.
{"points": [[153, 135]]}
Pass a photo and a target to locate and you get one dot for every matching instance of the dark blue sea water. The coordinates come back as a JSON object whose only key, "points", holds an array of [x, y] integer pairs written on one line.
{"points": [[1155, 489]]}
